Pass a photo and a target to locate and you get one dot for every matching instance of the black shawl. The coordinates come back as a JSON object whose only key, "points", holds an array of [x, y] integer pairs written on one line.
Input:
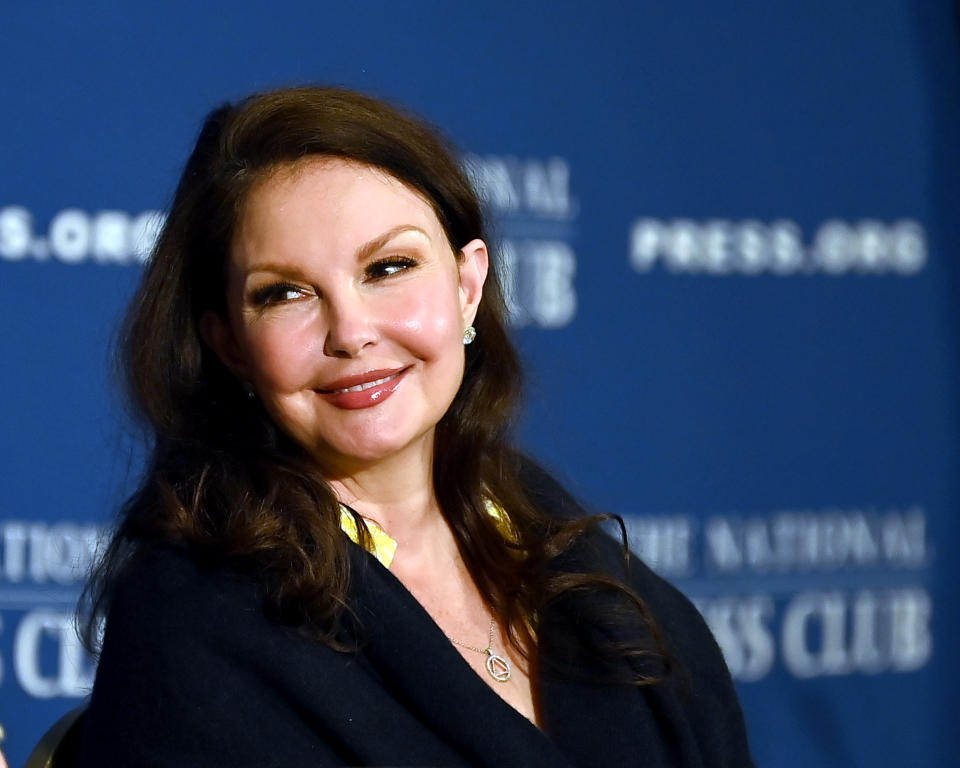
{"points": [[193, 673]]}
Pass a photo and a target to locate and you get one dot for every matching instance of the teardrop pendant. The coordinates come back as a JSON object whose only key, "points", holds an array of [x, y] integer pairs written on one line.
{"points": [[498, 667]]}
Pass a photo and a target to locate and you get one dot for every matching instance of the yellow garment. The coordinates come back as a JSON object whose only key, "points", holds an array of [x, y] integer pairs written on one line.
{"points": [[384, 548]]}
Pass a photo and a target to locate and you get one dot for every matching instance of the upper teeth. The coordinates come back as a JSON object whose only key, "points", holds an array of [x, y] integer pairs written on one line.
{"points": [[365, 385]]}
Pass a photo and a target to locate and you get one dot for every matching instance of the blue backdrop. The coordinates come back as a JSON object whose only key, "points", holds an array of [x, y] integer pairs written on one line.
{"points": [[732, 234]]}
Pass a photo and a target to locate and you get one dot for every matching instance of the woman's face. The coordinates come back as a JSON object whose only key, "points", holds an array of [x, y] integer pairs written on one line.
{"points": [[346, 311]]}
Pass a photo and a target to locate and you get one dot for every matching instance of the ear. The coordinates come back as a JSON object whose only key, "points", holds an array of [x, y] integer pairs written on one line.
{"points": [[473, 272], [217, 333]]}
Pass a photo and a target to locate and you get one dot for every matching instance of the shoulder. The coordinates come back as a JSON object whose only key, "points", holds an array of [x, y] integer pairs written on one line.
{"points": [[672, 608], [700, 681], [165, 586], [174, 623], [189, 660], [546, 492], [676, 616]]}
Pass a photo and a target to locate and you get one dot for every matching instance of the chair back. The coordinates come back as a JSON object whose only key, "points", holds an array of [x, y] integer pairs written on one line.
{"points": [[59, 747]]}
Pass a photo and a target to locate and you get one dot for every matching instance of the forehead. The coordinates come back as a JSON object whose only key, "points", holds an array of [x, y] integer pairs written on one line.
{"points": [[323, 208], [330, 185]]}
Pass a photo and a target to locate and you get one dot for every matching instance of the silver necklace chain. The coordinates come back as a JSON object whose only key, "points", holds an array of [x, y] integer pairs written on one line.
{"points": [[497, 666]]}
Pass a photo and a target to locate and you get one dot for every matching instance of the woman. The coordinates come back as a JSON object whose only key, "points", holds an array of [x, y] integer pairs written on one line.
{"points": [[335, 556]]}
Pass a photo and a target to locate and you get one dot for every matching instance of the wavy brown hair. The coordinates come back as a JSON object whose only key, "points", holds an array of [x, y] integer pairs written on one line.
{"points": [[224, 482]]}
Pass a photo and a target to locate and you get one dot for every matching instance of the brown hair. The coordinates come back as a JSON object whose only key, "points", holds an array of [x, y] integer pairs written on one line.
{"points": [[225, 482]]}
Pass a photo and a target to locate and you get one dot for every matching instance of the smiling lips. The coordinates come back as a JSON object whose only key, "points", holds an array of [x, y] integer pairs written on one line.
{"points": [[364, 390]]}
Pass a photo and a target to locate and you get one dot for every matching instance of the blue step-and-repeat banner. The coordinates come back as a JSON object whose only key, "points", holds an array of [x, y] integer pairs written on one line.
{"points": [[732, 234]]}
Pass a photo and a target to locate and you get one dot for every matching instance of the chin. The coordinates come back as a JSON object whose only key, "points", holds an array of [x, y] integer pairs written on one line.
{"points": [[364, 455]]}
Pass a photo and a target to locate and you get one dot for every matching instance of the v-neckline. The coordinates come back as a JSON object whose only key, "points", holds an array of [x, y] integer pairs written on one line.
{"points": [[397, 634]]}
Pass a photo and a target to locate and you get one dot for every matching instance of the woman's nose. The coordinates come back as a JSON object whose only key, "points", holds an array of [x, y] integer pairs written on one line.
{"points": [[350, 326]]}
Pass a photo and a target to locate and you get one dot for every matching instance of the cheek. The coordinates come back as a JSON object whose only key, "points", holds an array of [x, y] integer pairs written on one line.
{"points": [[280, 354], [431, 322]]}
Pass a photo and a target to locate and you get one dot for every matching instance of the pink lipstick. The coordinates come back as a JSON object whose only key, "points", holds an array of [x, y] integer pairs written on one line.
{"points": [[363, 390]]}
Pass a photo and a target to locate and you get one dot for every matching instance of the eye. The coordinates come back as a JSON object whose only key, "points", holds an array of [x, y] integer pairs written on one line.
{"points": [[277, 293], [389, 266]]}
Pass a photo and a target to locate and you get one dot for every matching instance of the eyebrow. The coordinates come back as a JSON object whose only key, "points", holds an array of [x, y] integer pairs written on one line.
{"points": [[369, 248], [364, 252]]}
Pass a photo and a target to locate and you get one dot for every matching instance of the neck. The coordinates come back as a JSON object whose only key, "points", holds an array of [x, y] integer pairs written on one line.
{"points": [[398, 494]]}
